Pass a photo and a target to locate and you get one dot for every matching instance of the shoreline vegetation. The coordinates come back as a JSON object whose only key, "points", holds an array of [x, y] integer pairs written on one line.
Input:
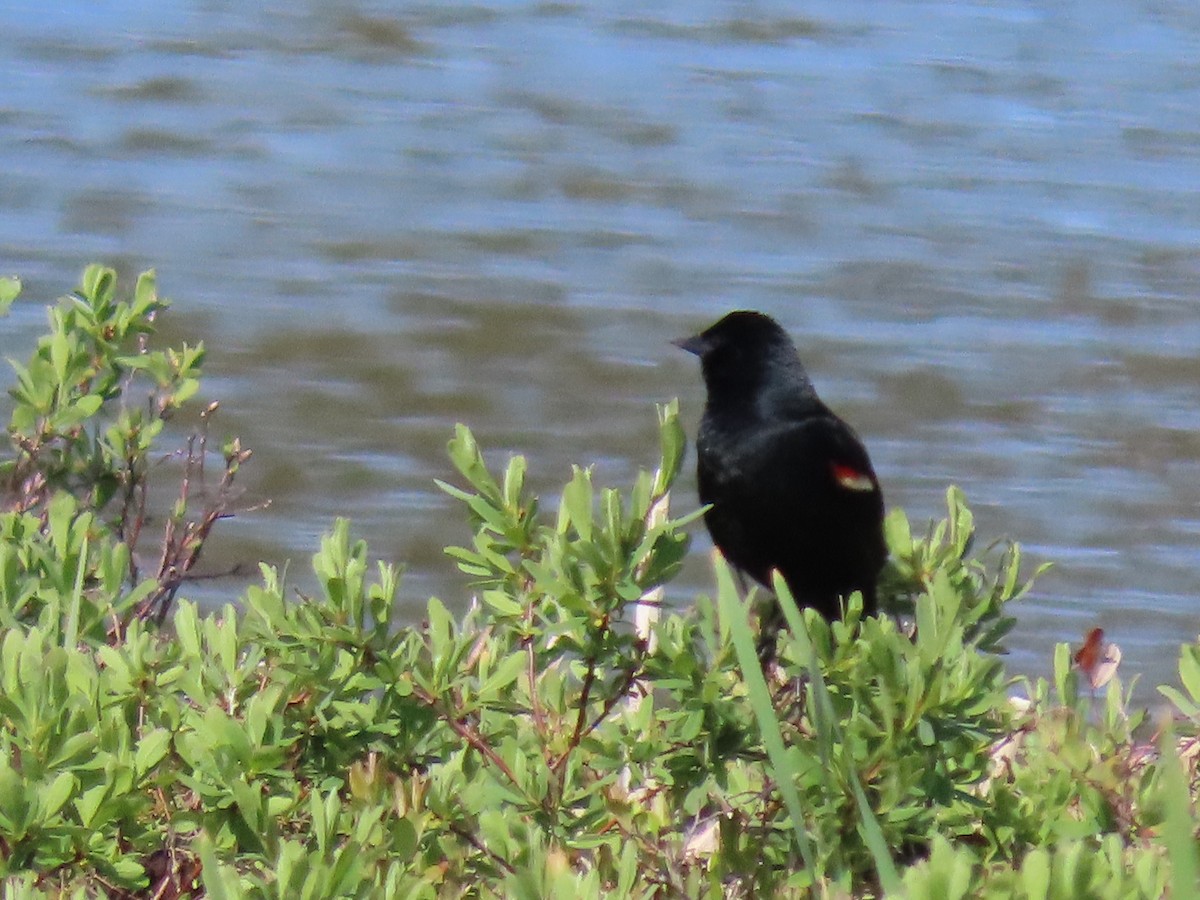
{"points": [[568, 736]]}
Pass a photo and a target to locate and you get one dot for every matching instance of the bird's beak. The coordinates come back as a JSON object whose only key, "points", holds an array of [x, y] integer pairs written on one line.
{"points": [[693, 344]]}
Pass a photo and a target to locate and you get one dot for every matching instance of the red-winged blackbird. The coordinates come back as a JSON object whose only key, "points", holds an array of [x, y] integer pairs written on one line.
{"points": [[791, 485]]}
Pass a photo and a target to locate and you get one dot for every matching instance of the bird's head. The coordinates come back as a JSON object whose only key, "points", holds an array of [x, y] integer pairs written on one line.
{"points": [[739, 333], [745, 353]]}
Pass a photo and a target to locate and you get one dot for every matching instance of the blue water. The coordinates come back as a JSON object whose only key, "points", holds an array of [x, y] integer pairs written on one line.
{"points": [[979, 220]]}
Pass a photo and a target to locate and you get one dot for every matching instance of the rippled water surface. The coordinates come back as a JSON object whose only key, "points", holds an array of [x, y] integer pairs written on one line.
{"points": [[981, 221]]}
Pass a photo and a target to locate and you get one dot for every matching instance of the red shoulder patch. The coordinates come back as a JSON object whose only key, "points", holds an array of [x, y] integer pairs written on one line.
{"points": [[850, 478]]}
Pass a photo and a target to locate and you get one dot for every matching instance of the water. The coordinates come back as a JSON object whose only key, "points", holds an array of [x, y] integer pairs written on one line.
{"points": [[979, 220]]}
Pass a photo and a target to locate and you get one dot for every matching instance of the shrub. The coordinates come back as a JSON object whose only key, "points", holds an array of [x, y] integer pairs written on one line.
{"points": [[567, 735]]}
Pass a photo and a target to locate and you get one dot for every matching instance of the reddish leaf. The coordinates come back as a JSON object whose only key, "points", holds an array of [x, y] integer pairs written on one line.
{"points": [[1097, 659]]}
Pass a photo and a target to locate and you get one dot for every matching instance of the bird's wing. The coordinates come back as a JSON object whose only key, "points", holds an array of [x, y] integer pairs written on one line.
{"points": [[780, 484], [799, 496], [815, 456]]}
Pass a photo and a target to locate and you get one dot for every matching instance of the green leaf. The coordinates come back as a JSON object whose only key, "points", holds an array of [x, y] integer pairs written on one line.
{"points": [[88, 803], [502, 602], [1182, 703], [1065, 680], [1189, 670], [897, 533], [98, 285], [464, 454], [507, 672], [219, 884], [151, 750], [127, 870], [10, 289], [1035, 874], [145, 294], [455, 492], [672, 445], [55, 797], [187, 629], [1180, 826], [961, 519], [186, 390], [404, 840], [441, 627], [925, 732], [71, 625], [514, 481], [946, 875], [77, 411], [60, 355], [577, 501]]}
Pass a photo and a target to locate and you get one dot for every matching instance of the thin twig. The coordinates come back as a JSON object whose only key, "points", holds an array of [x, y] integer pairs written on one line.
{"points": [[631, 675], [479, 845], [467, 734], [581, 719], [539, 718]]}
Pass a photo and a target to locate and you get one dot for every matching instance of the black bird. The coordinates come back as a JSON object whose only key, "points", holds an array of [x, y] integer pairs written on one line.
{"points": [[790, 483]]}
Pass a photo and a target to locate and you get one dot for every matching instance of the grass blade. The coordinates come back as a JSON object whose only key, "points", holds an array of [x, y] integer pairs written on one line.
{"points": [[734, 613], [71, 627], [1179, 827], [829, 733]]}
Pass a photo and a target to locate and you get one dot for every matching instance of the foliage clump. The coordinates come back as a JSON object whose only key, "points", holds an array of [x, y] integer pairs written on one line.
{"points": [[568, 735]]}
